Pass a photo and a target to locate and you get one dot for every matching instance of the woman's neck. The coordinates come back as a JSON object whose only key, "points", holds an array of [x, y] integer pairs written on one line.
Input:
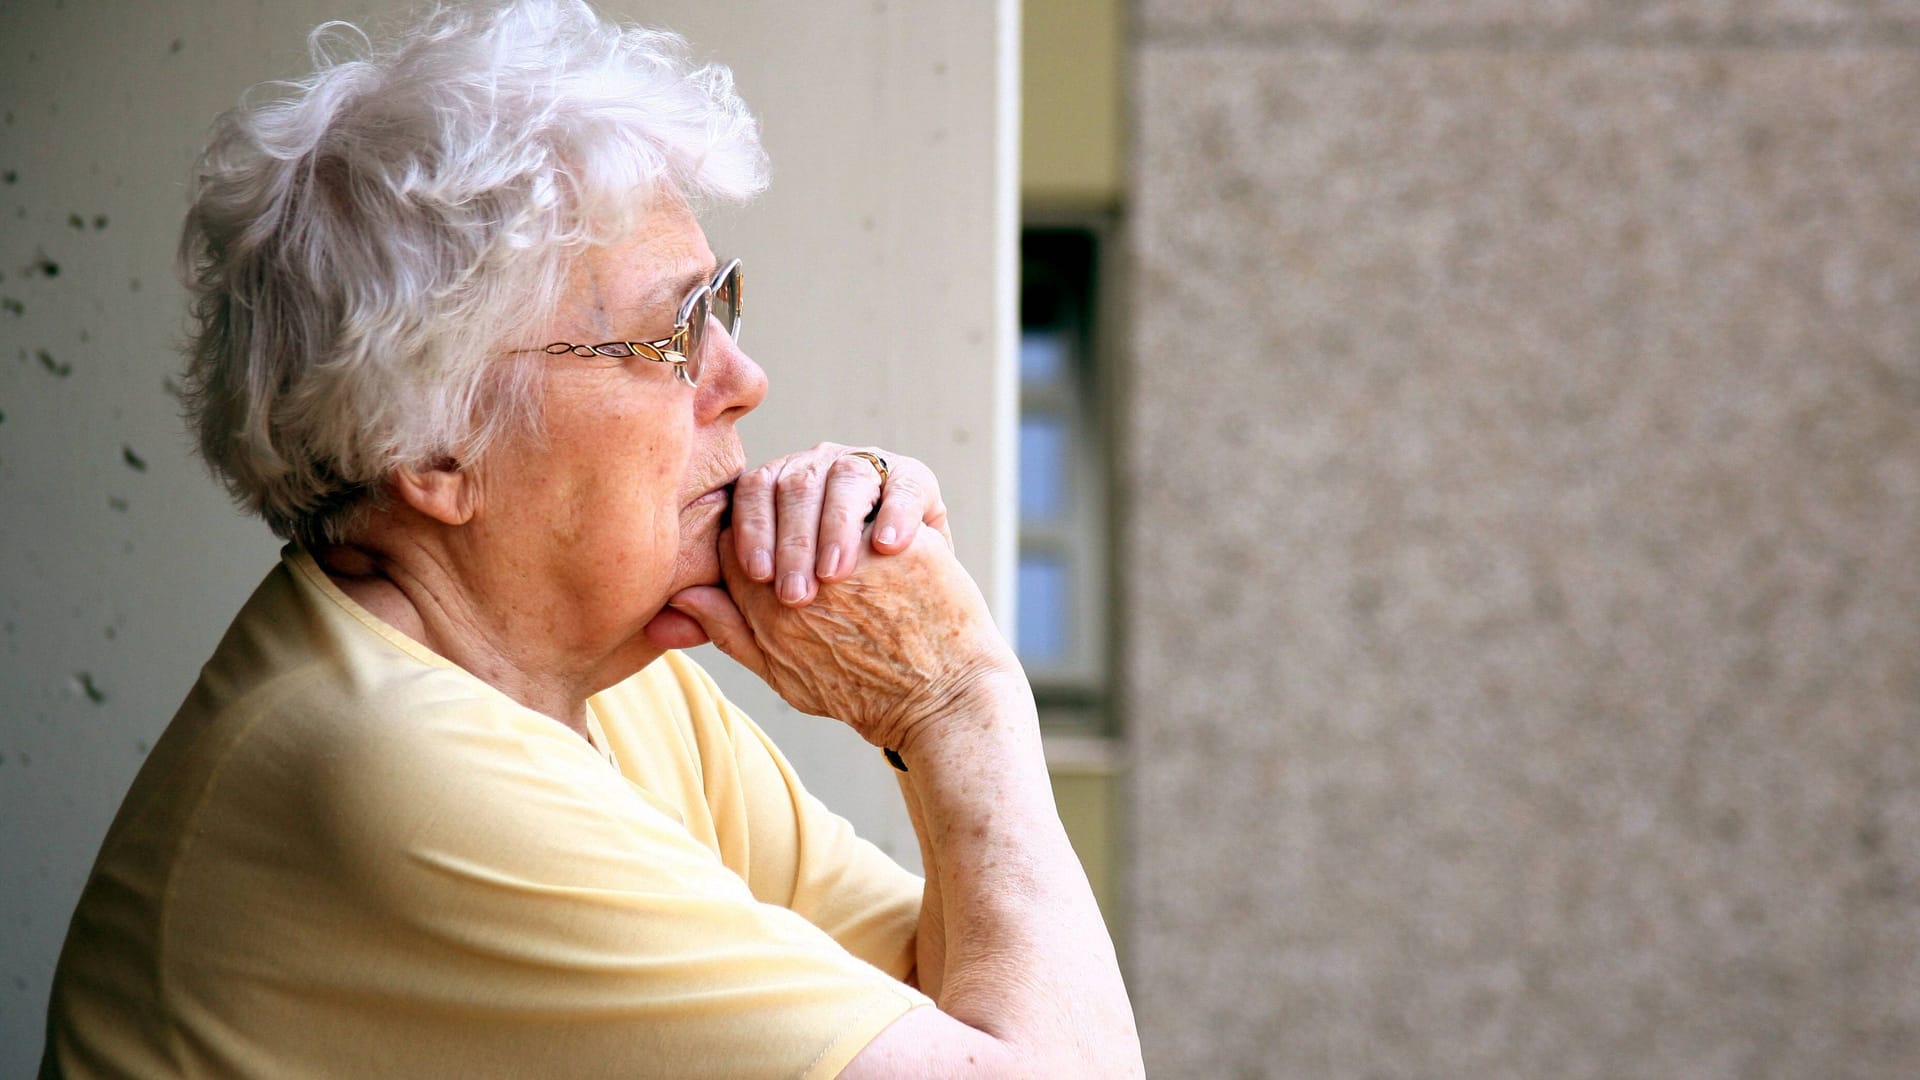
{"points": [[424, 598]]}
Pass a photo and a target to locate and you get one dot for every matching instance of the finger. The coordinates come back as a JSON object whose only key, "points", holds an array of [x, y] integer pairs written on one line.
{"points": [[911, 499], [711, 609], [753, 520], [852, 489], [797, 498], [733, 576], [672, 629]]}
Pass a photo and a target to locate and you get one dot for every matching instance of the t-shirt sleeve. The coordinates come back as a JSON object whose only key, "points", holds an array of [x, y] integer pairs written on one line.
{"points": [[799, 854], [838, 880], [540, 914]]}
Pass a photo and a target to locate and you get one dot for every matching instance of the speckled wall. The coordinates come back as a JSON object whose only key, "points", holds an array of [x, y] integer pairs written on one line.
{"points": [[1523, 532], [121, 562]]}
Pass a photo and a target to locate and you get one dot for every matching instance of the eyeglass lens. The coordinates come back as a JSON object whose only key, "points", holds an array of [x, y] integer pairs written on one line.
{"points": [[720, 301], [726, 300]]}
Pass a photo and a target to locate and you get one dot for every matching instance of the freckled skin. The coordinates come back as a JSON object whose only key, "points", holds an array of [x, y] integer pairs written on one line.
{"points": [[594, 512], [1010, 944], [934, 634], [539, 565]]}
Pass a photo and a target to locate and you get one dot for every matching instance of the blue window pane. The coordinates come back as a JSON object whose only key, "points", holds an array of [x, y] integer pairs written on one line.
{"points": [[1043, 356], [1043, 466], [1044, 609]]}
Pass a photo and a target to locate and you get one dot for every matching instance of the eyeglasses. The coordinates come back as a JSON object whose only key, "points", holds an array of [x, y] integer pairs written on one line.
{"points": [[717, 299]]}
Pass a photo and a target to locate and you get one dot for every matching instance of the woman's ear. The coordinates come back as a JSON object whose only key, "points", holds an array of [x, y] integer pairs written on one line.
{"points": [[443, 491]]}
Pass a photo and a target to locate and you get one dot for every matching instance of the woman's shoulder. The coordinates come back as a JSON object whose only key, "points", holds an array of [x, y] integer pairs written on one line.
{"points": [[307, 712], [302, 669]]}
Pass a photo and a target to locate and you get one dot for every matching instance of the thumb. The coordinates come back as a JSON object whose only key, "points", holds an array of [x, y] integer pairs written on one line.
{"points": [[711, 610], [672, 629]]}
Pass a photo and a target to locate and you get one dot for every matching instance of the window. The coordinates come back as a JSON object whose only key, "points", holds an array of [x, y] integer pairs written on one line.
{"points": [[1063, 612]]}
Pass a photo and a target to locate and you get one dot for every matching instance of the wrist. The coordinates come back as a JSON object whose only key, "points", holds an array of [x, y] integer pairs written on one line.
{"points": [[993, 706]]}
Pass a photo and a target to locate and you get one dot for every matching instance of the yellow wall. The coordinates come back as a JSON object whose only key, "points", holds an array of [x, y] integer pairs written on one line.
{"points": [[1071, 134], [1085, 797], [1071, 142]]}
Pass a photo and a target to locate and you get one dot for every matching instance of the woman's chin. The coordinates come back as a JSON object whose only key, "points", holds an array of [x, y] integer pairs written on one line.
{"points": [[699, 561]]}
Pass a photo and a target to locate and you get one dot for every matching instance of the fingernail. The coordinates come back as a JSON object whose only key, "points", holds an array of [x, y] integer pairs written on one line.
{"points": [[760, 565], [886, 535], [793, 587], [830, 563]]}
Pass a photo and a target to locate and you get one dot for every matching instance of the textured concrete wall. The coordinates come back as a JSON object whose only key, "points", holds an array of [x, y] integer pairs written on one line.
{"points": [[1523, 533]]}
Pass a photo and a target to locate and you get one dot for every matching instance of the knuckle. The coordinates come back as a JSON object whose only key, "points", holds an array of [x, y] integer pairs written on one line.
{"points": [[849, 472], [839, 518], [753, 481], [804, 473], [751, 515]]}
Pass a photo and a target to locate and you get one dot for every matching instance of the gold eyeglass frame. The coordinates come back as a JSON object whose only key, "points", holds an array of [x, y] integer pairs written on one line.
{"points": [[682, 348]]}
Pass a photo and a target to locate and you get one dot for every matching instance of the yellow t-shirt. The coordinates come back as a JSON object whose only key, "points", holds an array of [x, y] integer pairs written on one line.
{"points": [[349, 857]]}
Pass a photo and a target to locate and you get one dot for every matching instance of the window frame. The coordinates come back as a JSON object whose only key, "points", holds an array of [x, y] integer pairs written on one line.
{"points": [[1075, 695]]}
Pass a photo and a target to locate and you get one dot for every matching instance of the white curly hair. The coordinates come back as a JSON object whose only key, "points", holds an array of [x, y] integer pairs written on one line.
{"points": [[362, 240]]}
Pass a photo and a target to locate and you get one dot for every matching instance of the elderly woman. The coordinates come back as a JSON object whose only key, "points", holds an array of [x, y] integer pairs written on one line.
{"points": [[445, 801]]}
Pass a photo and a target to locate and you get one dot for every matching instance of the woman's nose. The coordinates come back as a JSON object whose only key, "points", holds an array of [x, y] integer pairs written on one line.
{"points": [[731, 382]]}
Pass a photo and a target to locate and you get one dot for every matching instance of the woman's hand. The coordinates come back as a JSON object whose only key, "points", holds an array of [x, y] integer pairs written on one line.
{"points": [[887, 649], [798, 519]]}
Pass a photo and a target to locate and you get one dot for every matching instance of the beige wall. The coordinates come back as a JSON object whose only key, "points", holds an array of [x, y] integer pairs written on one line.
{"points": [[882, 275], [1523, 487]]}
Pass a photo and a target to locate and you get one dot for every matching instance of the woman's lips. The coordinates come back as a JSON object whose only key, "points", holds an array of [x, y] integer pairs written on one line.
{"points": [[722, 497]]}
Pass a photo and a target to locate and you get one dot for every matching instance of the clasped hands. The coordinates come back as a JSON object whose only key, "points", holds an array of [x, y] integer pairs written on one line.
{"points": [[876, 625]]}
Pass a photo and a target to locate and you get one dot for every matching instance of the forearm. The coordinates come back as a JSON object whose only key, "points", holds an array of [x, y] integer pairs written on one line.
{"points": [[930, 939], [1011, 944], [1018, 949]]}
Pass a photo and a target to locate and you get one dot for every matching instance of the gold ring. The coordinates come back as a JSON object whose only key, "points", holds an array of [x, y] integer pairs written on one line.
{"points": [[879, 463]]}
